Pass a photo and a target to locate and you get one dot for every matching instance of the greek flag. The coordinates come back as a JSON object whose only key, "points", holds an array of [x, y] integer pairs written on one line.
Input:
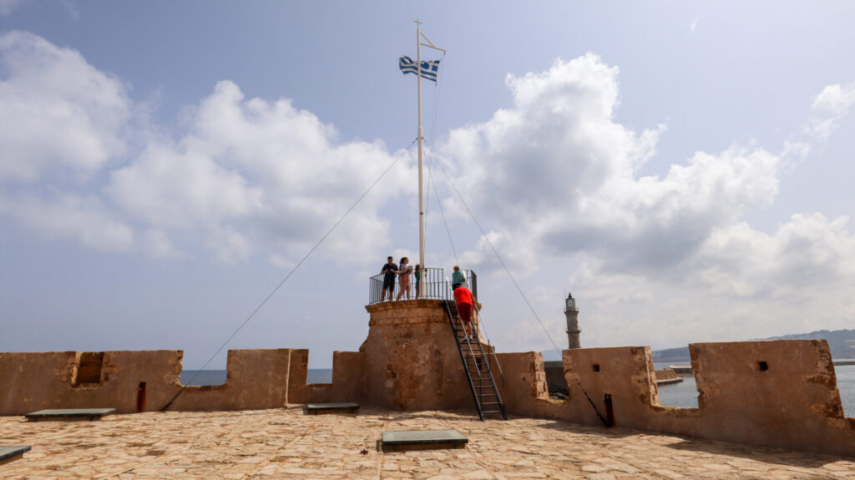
{"points": [[429, 69]]}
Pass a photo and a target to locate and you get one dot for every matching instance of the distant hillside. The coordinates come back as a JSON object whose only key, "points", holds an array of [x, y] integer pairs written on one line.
{"points": [[842, 343]]}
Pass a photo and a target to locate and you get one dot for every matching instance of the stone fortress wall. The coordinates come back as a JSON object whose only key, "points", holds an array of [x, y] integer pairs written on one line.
{"points": [[776, 393]]}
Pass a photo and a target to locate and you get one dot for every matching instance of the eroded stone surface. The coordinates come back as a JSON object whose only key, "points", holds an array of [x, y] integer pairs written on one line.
{"points": [[288, 444]]}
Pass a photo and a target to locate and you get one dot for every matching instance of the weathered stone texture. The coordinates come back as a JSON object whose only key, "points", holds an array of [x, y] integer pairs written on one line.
{"points": [[777, 393], [285, 443], [789, 400], [37, 381], [411, 358], [139, 381]]}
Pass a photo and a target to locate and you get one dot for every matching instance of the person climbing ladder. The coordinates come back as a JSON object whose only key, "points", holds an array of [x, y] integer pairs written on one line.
{"points": [[464, 300]]}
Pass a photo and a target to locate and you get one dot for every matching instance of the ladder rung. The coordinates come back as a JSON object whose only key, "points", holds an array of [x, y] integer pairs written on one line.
{"points": [[476, 365]]}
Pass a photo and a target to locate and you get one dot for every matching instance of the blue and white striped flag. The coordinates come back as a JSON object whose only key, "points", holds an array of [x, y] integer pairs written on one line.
{"points": [[429, 69]]}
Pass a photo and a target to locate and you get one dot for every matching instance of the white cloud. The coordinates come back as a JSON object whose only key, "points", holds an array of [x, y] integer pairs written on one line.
{"points": [[84, 219], [251, 176], [283, 262], [171, 187], [835, 99], [741, 284], [556, 177], [694, 24], [158, 245], [559, 172], [553, 177], [264, 168], [6, 6], [58, 114], [229, 246], [828, 108], [71, 8], [808, 251]]}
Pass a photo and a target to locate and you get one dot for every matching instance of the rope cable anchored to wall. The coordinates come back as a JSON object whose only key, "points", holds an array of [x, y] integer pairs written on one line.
{"points": [[519, 289], [305, 257]]}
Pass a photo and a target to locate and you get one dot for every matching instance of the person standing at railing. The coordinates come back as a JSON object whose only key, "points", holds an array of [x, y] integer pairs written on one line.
{"points": [[458, 278], [464, 300], [404, 277], [418, 274], [388, 271]]}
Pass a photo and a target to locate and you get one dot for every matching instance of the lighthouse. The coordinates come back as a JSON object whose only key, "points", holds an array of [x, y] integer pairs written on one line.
{"points": [[572, 314]]}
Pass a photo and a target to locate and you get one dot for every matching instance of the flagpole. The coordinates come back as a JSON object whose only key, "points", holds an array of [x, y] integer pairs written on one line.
{"points": [[421, 152]]}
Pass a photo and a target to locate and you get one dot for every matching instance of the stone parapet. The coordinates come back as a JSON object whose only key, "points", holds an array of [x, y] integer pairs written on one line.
{"points": [[776, 393], [407, 312]]}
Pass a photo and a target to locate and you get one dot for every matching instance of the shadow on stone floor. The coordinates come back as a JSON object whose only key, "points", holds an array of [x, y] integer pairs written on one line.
{"points": [[773, 455], [578, 429], [445, 415]]}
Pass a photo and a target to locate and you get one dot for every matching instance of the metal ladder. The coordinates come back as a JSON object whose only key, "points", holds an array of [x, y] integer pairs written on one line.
{"points": [[478, 371]]}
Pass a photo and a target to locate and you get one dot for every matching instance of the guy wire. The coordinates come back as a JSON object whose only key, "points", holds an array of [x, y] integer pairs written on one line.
{"points": [[305, 257]]}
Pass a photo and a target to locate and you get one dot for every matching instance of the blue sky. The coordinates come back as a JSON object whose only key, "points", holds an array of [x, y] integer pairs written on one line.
{"points": [[682, 168]]}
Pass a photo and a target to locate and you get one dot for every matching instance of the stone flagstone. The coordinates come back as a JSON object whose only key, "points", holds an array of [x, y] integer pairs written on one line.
{"points": [[285, 443]]}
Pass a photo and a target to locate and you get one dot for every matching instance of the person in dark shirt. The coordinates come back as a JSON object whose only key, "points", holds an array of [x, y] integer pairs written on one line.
{"points": [[388, 271]]}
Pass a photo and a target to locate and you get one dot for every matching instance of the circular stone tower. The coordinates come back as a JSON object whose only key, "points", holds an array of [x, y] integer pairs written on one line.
{"points": [[411, 358]]}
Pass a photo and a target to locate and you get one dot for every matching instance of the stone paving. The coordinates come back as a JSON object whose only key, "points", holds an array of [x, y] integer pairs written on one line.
{"points": [[285, 443]]}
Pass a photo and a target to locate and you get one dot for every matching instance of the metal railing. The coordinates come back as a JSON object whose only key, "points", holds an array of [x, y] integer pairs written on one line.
{"points": [[433, 285]]}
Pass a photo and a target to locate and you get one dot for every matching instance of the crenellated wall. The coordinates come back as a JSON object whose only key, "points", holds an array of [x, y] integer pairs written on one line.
{"points": [[36, 381], [778, 393]]}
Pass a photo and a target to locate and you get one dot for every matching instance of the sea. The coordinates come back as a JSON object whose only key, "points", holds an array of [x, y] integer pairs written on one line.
{"points": [[682, 394], [685, 393], [218, 377]]}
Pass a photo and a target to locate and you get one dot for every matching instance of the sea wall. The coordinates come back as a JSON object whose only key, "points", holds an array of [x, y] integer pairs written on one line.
{"points": [[665, 375], [778, 393]]}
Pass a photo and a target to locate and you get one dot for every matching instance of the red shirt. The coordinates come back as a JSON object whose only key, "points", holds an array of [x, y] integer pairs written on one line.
{"points": [[463, 295]]}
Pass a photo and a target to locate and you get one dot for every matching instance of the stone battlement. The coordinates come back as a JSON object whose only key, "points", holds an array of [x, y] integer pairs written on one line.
{"points": [[776, 393]]}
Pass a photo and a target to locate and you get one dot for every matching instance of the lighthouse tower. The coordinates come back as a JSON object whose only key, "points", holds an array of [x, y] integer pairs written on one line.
{"points": [[572, 314]]}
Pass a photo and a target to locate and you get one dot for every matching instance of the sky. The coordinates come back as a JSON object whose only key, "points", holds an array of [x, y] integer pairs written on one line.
{"points": [[683, 168]]}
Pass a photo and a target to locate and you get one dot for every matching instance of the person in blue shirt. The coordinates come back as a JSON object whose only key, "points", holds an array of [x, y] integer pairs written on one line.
{"points": [[389, 269], [457, 278]]}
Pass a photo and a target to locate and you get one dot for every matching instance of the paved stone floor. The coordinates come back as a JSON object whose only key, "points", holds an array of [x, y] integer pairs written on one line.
{"points": [[287, 444]]}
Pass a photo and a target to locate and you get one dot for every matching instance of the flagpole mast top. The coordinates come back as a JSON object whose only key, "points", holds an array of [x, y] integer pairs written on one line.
{"points": [[419, 36]]}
